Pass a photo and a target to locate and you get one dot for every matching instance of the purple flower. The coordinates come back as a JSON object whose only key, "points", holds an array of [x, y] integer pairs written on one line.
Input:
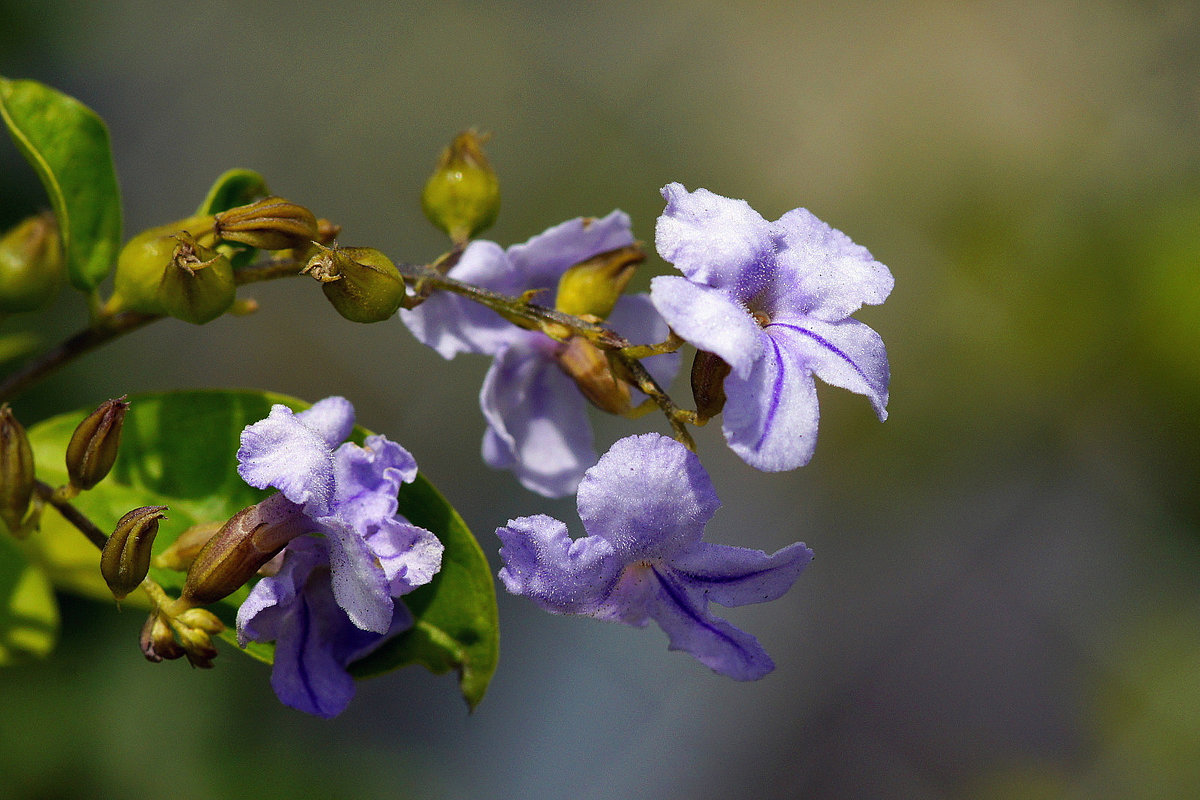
{"points": [[332, 600], [773, 300], [644, 507], [536, 416]]}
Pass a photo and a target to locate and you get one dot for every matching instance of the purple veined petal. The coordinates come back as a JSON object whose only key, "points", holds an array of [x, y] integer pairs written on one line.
{"points": [[822, 272], [542, 260], [261, 615], [709, 319], [738, 576], [648, 496], [683, 615], [714, 240], [538, 420], [636, 318], [367, 479], [359, 584], [410, 556], [451, 324], [770, 417], [283, 452], [846, 354], [331, 419], [561, 575]]}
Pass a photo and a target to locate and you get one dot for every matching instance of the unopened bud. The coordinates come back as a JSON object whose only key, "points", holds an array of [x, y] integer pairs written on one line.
{"points": [[248, 540], [16, 472], [362, 283], [180, 553], [125, 559], [462, 197], [201, 619], [589, 367], [268, 224], [31, 264], [93, 446], [591, 288], [158, 641], [708, 384]]}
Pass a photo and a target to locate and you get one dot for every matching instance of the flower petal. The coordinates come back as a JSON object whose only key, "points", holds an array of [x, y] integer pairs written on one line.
{"points": [[847, 354], [683, 615], [770, 417], [822, 272], [283, 452], [708, 319], [714, 240], [648, 496], [738, 576], [537, 421], [410, 556], [542, 260], [332, 419], [359, 583], [563, 576], [368, 478]]}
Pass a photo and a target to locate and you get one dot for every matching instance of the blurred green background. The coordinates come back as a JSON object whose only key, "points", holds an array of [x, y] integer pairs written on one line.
{"points": [[1004, 599]]}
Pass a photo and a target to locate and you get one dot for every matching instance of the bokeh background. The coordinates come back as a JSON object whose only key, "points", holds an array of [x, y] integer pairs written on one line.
{"points": [[1004, 601]]}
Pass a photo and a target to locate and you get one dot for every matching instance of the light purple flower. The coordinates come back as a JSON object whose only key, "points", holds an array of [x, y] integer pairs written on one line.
{"points": [[773, 300], [537, 418], [333, 598], [644, 507]]}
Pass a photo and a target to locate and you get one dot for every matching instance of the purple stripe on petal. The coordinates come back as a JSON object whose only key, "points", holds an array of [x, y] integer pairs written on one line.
{"points": [[776, 394], [678, 597], [828, 345]]}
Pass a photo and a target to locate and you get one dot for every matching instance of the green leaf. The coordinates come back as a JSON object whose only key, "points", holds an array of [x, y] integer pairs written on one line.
{"points": [[179, 449], [28, 610], [67, 145], [236, 187]]}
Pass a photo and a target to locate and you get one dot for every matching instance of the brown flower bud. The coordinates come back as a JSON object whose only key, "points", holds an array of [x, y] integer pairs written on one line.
{"points": [[591, 288], [708, 384], [248, 540], [16, 472], [589, 367], [360, 282], [158, 641], [125, 559], [268, 224], [93, 447]]}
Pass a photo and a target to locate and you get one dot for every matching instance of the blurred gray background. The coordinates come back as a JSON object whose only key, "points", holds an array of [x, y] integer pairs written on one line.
{"points": [[1004, 597]]}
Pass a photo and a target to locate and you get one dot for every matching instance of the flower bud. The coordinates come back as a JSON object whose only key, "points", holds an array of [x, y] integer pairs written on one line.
{"points": [[180, 553], [462, 197], [248, 540], [93, 446], [31, 264], [198, 285], [361, 283], [591, 288], [158, 641], [125, 560], [268, 224], [16, 472], [589, 367], [708, 384]]}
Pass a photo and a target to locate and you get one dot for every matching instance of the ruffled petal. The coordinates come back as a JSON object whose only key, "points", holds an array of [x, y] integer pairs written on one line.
{"points": [[770, 417], [683, 615], [709, 319], [648, 496], [638, 320], [410, 556], [332, 419], [261, 615], [714, 240], [359, 583], [847, 354], [822, 273], [542, 260], [738, 576], [537, 422], [451, 324], [561, 575], [281, 451], [368, 478]]}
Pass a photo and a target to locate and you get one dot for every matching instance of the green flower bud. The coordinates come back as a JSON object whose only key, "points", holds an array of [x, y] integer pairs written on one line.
{"points": [[589, 367], [591, 288], [31, 264], [708, 384], [93, 446], [248, 540], [361, 283], [268, 224], [16, 472], [172, 270], [462, 197], [125, 560]]}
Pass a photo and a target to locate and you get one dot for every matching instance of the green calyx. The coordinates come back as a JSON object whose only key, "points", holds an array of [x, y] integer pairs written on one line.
{"points": [[361, 283]]}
